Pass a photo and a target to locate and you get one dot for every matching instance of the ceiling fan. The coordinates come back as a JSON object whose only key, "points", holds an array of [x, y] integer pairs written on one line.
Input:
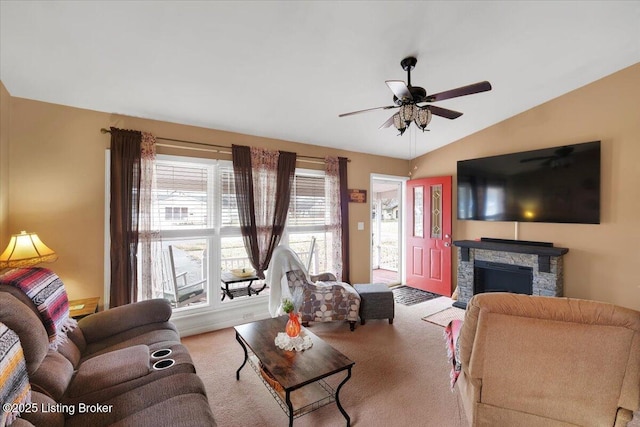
{"points": [[560, 157], [407, 98]]}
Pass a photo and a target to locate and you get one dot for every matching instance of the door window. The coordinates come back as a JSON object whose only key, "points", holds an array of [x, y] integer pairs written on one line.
{"points": [[418, 214]]}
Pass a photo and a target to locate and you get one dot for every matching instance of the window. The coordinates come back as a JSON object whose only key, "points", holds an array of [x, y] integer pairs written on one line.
{"points": [[308, 218], [183, 193], [176, 213], [199, 228], [184, 202], [233, 253], [197, 220], [229, 209]]}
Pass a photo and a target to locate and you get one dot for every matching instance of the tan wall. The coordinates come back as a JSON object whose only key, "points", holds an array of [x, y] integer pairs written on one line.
{"points": [[58, 187], [603, 260], [5, 111], [55, 171]]}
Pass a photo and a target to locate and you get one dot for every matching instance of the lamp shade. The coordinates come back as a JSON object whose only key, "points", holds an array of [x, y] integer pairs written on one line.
{"points": [[400, 124], [408, 113], [423, 118], [24, 250]]}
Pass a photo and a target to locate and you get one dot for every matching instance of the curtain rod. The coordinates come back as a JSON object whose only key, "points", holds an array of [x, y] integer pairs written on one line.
{"points": [[309, 159]]}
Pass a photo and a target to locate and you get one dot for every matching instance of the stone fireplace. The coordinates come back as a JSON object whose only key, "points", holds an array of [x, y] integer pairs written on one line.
{"points": [[497, 265]]}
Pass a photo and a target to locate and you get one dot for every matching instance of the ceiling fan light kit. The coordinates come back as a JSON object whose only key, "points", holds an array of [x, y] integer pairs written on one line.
{"points": [[407, 97], [423, 118], [408, 113], [399, 123]]}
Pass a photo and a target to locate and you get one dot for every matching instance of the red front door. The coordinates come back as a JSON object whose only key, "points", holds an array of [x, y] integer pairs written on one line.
{"points": [[429, 234]]}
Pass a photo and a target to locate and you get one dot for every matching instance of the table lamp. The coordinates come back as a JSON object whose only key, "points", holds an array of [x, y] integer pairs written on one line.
{"points": [[24, 250]]}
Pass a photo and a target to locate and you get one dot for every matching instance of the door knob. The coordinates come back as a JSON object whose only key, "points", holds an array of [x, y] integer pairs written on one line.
{"points": [[447, 244], [447, 236]]}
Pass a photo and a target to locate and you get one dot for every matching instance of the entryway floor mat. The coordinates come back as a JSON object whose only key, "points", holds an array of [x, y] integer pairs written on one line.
{"points": [[406, 295]]}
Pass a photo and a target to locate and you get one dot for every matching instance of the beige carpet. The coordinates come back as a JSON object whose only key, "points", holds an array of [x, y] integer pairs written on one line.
{"points": [[442, 318], [400, 377]]}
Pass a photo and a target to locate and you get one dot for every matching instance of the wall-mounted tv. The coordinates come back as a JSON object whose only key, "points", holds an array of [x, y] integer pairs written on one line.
{"points": [[558, 184]]}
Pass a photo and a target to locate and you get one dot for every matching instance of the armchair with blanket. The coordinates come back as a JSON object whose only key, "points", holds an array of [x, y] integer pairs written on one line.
{"points": [[323, 298]]}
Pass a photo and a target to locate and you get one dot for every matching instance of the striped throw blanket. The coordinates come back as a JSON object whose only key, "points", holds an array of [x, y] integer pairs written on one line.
{"points": [[47, 292], [14, 381], [451, 334]]}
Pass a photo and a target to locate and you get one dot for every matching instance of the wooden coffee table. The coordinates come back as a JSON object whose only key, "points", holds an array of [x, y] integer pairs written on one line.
{"points": [[300, 386]]}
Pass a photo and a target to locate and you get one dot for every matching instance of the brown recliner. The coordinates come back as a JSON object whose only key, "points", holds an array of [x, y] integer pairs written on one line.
{"points": [[108, 362], [145, 322], [544, 361]]}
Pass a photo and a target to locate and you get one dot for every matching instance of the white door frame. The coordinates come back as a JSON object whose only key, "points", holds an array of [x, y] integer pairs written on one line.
{"points": [[401, 238]]}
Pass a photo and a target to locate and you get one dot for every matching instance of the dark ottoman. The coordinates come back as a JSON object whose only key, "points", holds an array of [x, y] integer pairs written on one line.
{"points": [[376, 302]]}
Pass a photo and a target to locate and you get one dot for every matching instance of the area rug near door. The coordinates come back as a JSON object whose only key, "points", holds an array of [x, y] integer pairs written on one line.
{"points": [[442, 318], [406, 295]]}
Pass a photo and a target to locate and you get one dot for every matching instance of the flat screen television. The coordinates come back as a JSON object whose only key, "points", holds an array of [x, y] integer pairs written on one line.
{"points": [[558, 184]]}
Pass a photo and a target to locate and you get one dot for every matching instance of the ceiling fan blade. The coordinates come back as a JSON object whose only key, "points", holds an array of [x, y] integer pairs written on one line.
{"points": [[444, 112], [388, 123], [461, 91], [400, 90], [368, 109]]}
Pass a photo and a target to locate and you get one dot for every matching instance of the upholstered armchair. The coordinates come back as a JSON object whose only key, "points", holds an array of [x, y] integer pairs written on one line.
{"points": [[323, 298], [544, 361], [325, 301]]}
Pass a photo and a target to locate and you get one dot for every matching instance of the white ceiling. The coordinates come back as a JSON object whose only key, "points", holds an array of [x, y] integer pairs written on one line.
{"points": [[286, 69]]}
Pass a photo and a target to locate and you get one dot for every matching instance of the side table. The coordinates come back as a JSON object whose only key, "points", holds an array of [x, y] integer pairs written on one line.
{"points": [[79, 308], [229, 278]]}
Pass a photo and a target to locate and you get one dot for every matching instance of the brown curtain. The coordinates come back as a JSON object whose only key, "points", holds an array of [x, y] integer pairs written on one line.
{"points": [[243, 177], [286, 173], [344, 210], [125, 204], [246, 190]]}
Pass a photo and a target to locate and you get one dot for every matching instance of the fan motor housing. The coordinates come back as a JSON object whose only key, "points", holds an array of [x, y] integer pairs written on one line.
{"points": [[418, 94], [408, 63]]}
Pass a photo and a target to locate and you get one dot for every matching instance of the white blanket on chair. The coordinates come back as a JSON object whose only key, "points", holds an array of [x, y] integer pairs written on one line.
{"points": [[283, 260]]}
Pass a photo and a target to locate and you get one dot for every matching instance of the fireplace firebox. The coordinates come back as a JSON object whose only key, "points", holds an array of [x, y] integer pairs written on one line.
{"points": [[497, 277]]}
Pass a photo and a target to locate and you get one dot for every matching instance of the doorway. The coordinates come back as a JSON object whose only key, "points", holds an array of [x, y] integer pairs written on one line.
{"points": [[387, 200], [428, 234]]}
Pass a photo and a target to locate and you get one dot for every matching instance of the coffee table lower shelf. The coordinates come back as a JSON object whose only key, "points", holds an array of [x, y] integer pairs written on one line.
{"points": [[298, 381], [304, 400]]}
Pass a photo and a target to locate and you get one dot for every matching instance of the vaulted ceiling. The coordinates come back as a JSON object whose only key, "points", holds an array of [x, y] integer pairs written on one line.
{"points": [[285, 69]]}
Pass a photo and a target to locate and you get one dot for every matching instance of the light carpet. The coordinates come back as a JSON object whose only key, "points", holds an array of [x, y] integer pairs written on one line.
{"points": [[400, 376]]}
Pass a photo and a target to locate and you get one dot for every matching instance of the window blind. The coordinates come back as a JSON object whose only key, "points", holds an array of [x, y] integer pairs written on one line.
{"points": [[307, 206], [182, 195], [229, 206]]}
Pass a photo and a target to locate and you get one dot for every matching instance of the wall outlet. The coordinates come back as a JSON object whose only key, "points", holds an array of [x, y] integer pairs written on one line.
{"points": [[361, 226]]}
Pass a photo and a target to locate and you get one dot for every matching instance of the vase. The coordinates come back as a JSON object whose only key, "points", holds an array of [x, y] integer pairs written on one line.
{"points": [[293, 325]]}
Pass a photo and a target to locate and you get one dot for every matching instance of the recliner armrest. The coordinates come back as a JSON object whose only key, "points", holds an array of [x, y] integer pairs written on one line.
{"points": [[623, 417], [98, 326]]}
